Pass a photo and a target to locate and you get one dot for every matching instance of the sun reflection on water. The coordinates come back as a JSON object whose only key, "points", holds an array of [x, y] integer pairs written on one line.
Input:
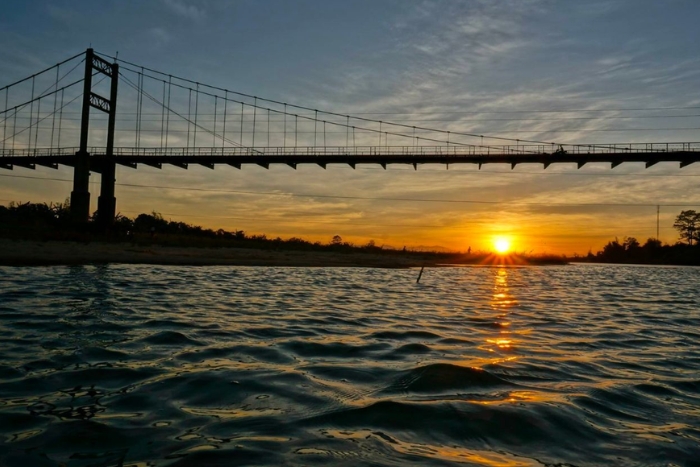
{"points": [[502, 302]]}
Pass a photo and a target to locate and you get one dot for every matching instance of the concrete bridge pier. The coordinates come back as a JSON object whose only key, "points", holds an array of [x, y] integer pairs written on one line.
{"points": [[107, 203], [80, 196]]}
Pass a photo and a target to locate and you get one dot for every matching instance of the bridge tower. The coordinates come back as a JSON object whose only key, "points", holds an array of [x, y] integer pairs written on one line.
{"points": [[80, 196]]}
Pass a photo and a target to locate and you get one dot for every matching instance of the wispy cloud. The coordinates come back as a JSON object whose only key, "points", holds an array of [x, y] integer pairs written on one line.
{"points": [[62, 14], [160, 36], [186, 9]]}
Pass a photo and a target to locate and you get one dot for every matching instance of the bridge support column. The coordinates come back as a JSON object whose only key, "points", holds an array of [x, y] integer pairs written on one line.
{"points": [[107, 203], [80, 196]]}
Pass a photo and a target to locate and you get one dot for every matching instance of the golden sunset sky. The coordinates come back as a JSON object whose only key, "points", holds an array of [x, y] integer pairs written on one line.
{"points": [[591, 71]]}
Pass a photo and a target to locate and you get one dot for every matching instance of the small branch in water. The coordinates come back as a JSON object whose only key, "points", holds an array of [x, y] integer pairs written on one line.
{"points": [[420, 274]]}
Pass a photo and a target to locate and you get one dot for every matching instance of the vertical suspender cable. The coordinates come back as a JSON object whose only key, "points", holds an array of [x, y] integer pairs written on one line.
{"points": [[55, 101], [347, 132], [162, 117], [60, 121], [324, 134], [4, 121], [14, 130], [284, 141], [31, 115], [216, 99], [141, 105], [189, 118], [255, 114], [315, 124], [167, 116], [196, 111], [353, 140], [658, 213], [138, 107], [268, 128], [296, 133], [36, 130], [223, 141], [380, 135], [241, 124]]}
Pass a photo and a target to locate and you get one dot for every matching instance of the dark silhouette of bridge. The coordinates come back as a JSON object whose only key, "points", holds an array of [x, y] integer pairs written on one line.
{"points": [[164, 115]]}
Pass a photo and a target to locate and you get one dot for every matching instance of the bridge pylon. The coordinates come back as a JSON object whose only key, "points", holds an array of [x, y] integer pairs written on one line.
{"points": [[80, 196]]}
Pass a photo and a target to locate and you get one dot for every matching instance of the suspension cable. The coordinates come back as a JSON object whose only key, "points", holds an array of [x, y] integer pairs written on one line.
{"points": [[473, 135], [131, 84], [42, 71], [255, 107], [16, 133]]}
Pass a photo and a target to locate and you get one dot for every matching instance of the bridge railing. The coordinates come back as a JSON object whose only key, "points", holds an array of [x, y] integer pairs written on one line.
{"points": [[447, 151]]}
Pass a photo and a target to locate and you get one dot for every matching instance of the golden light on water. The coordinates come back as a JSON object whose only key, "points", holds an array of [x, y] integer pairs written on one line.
{"points": [[501, 245], [501, 304]]}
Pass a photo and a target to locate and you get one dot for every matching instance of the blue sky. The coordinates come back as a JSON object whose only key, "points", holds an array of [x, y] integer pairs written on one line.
{"points": [[478, 66]]}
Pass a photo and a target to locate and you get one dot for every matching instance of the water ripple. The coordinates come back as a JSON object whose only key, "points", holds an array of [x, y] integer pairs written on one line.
{"points": [[180, 366]]}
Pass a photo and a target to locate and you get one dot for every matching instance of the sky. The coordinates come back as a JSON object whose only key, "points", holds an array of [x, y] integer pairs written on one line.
{"points": [[589, 71]]}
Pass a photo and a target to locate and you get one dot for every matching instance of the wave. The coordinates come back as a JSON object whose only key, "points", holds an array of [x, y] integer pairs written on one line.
{"points": [[443, 377]]}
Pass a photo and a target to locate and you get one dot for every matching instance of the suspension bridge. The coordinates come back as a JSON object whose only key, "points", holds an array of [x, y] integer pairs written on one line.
{"points": [[46, 121]]}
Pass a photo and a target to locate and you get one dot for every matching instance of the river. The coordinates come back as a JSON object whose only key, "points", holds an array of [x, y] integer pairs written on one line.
{"points": [[578, 365]]}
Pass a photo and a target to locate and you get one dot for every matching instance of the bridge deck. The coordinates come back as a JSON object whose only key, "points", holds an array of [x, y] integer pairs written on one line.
{"points": [[650, 154]]}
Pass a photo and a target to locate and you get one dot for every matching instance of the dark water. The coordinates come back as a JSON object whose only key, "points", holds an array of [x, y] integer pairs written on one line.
{"points": [[181, 366]]}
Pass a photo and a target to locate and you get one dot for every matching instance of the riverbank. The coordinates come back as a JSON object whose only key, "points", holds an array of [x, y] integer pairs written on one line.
{"points": [[47, 253], [35, 253]]}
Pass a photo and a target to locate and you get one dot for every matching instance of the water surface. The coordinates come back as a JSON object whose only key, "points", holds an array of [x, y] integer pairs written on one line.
{"points": [[185, 366]]}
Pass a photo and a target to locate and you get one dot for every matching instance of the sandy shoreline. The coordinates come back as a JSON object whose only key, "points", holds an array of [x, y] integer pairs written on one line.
{"points": [[35, 253]]}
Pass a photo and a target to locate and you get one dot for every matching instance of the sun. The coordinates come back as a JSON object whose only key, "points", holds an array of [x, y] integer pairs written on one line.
{"points": [[502, 245]]}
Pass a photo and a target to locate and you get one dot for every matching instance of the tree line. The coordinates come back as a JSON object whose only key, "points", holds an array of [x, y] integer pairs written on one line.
{"points": [[629, 250], [42, 221]]}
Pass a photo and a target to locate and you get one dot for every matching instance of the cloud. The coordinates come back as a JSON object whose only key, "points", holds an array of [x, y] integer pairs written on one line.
{"points": [[160, 36], [186, 10], [64, 15]]}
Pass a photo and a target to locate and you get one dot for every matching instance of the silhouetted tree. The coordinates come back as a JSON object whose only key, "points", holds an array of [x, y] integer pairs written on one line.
{"points": [[687, 225], [337, 240], [147, 222], [613, 251], [631, 244]]}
